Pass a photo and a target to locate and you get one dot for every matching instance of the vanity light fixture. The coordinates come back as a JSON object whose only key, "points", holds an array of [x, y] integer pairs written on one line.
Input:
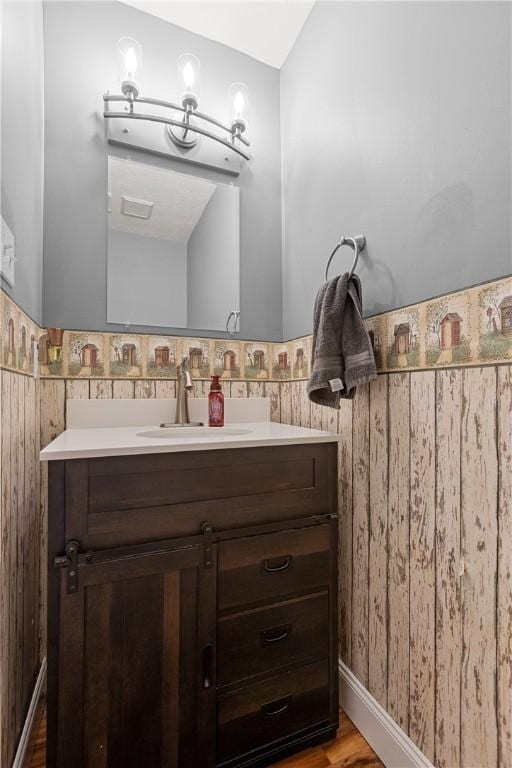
{"points": [[185, 123]]}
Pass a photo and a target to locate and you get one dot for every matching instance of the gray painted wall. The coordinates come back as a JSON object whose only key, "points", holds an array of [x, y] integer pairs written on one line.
{"points": [[80, 64], [21, 169], [146, 280], [396, 124], [213, 262]]}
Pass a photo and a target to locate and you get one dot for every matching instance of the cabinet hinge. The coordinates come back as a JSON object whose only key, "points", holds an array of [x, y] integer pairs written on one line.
{"points": [[207, 529], [70, 561]]}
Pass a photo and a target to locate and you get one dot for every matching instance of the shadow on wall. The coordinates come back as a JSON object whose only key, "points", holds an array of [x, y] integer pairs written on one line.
{"points": [[382, 276], [447, 217]]}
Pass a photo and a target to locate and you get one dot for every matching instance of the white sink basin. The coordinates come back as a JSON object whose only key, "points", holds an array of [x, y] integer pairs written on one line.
{"points": [[193, 433]]}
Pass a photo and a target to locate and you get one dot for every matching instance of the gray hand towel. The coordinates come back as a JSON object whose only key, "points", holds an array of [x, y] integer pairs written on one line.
{"points": [[342, 356]]}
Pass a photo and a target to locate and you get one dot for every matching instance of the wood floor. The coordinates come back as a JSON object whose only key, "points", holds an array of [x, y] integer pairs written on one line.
{"points": [[348, 750]]}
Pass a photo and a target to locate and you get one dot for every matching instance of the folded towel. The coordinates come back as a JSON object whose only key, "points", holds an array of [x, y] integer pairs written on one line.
{"points": [[342, 356]]}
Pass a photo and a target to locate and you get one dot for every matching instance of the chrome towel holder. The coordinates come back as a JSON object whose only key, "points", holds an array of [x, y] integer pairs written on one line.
{"points": [[356, 242]]}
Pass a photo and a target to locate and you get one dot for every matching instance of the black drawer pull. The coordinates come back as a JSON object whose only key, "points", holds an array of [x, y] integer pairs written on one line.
{"points": [[275, 634], [277, 564], [276, 707]]}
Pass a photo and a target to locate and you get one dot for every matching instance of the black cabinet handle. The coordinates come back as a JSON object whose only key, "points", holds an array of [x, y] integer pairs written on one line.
{"points": [[277, 564], [275, 634], [208, 666], [276, 707]]}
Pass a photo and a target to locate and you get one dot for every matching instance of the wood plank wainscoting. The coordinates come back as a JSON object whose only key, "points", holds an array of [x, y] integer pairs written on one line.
{"points": [[426, 536], [20, 528], [425, 472]]}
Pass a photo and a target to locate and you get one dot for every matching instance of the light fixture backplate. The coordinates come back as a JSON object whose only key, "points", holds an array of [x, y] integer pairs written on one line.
{"points": [[154, 138]]}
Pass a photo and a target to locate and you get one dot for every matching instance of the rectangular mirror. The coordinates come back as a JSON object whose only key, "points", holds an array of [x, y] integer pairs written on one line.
{"points": [[173, 248]]}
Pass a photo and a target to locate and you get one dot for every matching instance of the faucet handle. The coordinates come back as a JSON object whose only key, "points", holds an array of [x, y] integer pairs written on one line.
{"points": [[184, 372], [183, 365]]}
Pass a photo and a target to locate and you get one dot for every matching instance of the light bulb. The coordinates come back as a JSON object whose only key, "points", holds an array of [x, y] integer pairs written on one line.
{"points": [[189, 76], [239, 107], [130, 62], [238, 104], [129, 58]]}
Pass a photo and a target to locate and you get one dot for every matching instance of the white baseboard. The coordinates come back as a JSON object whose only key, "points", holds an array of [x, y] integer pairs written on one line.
{"points": [[19, 758], [389, 742]]}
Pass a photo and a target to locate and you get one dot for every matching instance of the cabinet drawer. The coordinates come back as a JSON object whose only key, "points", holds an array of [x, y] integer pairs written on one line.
{"points": [[118, 501], [259, 568], [260, 714], [266, 639]]}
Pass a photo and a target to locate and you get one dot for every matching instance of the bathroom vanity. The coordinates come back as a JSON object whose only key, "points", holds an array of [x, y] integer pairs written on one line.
{"points": [[192, 597]]}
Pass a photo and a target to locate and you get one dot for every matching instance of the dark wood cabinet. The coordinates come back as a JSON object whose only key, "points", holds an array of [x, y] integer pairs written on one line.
{"points": [[182, 634]]}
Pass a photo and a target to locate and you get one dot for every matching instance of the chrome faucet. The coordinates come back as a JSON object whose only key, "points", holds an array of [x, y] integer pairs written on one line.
{"points": [[183, 386]]}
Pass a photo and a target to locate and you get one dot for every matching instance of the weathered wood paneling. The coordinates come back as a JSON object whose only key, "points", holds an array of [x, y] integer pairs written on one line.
{"points": [[78, 389], [19, 554], [237, 388], [479, 480], [30, 536], [100, 389], [300, 405], [403, 604], [6, 736], [316, 415], [378, 562], [53, 399], [448, 594], [305, 405], [422, 594], [329, 421], [426, 610], [345, 531], [398, 562], [296, 403], [286, 401], [360, 532], [256, 389], [144, 389], [124, 389], [272, 390], [163, 389], [504, 607], [18, 524]]}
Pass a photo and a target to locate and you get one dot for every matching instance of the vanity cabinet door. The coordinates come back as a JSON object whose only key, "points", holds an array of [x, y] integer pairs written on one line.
{"points": [[136, 663]]}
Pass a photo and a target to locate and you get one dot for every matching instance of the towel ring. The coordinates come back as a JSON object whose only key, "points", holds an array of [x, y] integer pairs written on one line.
{"points": [[357, 243]]}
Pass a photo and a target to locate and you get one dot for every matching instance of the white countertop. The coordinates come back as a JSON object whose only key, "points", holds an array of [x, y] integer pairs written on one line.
{"points": [[94, 442]]}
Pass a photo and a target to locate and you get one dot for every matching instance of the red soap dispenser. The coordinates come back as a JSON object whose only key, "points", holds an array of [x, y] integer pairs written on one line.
{"points": [[215, 404]]}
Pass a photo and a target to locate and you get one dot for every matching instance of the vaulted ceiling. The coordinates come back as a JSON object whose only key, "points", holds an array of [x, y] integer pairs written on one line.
{"points": [[262, 29]]}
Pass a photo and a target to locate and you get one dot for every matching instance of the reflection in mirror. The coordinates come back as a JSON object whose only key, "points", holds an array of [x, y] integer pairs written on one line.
{"points": [[173, 248]]}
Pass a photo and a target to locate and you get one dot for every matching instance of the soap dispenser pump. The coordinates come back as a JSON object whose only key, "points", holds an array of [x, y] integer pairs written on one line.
{"points": [[215, 404]]}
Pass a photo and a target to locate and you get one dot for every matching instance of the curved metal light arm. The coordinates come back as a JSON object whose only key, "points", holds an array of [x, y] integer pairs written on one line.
{"points": [[177, 124], [168, 121]]}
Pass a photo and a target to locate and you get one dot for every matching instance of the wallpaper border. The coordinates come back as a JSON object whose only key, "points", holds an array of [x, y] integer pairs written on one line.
{"points": [[465, 328]]}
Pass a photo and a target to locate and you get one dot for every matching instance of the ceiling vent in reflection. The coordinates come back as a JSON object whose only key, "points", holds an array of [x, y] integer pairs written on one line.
{"points": [[139, 209]]}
